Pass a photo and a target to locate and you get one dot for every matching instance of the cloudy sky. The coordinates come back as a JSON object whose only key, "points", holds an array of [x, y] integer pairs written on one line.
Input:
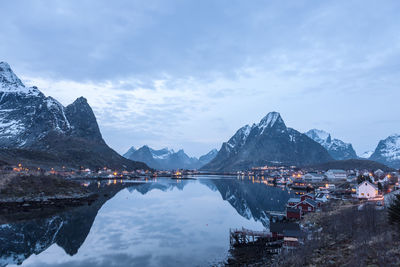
{"points": [[188, 74]]}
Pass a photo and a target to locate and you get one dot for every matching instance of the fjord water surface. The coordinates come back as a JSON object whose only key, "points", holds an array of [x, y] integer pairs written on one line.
{"points": [[163, 222]]}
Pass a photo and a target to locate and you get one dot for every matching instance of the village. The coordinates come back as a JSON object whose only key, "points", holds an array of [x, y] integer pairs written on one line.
{"points": [[309, 192]]}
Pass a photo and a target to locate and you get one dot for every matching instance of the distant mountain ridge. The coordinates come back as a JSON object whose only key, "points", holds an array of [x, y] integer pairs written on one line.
{"points": [[338, 149], [39, 130], [269, 141], [168, 159]]}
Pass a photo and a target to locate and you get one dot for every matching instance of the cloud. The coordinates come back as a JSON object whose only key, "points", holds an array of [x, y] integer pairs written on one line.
{"points": [[189, 73]]}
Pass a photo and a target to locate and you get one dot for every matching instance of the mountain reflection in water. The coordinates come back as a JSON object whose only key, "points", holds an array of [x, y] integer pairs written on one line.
{"points": [[159, 223]]}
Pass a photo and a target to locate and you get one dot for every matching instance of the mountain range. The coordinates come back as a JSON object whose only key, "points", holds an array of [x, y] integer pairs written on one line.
{"points": [[338, 149], [269, 141], [168, 159], [38, 130]]}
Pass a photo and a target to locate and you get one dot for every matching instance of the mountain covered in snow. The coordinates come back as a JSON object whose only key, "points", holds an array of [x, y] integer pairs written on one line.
{"points": [[366, 154], [267, 142], [168, 159], [338, 149], [388, 151], [39, 130]]}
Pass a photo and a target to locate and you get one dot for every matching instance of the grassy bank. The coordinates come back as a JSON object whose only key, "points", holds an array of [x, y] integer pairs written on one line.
{"points": [[27, 197], [343, 235], [22, 187]]}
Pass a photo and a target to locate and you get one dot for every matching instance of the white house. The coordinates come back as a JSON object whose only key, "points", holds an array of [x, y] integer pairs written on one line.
{"points": [[336, 175], [366, 190], [314, 177]]}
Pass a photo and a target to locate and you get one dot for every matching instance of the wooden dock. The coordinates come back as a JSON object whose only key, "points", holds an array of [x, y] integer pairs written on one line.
{"points": [[241, 237]]}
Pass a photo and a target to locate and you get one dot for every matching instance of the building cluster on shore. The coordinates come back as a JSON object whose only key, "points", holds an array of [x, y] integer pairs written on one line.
{"points": [[310, 190], [99, 173]]}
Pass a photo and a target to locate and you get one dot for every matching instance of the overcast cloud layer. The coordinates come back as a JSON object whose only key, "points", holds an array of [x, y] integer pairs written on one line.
{"points": [[188, 74]]}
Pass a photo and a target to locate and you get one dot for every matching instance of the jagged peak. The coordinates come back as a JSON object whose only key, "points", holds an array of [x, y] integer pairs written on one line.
{"points": [[329, 139], [10, 83], [318, 134], [395, 135], [270, 119], [80, 100], [8, 77]]}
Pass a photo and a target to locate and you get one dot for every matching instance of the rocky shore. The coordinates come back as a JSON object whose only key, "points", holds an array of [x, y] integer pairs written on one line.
{"points": [[26, 196]]}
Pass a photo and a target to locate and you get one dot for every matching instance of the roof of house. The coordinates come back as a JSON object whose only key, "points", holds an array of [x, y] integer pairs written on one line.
{"points": [[292, 233], [315, 174], [374, 186], [289, 209], [279, 227], [292, 199], [311, 202], [336, 171]]}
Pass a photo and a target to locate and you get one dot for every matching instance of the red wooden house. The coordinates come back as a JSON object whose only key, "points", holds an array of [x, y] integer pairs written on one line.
{"points": [[293, 213], [307, 205], [307, 196]]}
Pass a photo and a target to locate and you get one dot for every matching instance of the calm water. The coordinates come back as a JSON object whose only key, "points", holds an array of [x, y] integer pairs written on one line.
{"points": [[160, 223]]}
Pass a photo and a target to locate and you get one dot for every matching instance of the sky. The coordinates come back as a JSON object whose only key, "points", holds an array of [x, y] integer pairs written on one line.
{"points": [[188, 74]]}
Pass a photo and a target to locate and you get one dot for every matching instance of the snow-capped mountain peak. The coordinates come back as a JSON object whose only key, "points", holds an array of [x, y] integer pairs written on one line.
{"points": [[388, 151], [316, 134], [338, 149], [366, 154], [161, 153], [8, 77], [268, 141], [270, 120], [168, 159], [10, 83]]}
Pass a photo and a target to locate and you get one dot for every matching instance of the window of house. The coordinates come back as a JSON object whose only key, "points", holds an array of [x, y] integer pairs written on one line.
{"points": [[309, 208]]}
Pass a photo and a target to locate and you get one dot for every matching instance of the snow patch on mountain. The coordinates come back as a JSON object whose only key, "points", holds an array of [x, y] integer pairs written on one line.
{"points": [[338, 149], [390, 148], [162, 153], [168, 159], [269, 121], [366, 154]]}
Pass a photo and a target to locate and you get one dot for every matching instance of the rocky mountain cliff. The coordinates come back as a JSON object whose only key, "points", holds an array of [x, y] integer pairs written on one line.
{"points": [[268, 142], [338, 149], [41, 131], [166, 159], [388, 151]]}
